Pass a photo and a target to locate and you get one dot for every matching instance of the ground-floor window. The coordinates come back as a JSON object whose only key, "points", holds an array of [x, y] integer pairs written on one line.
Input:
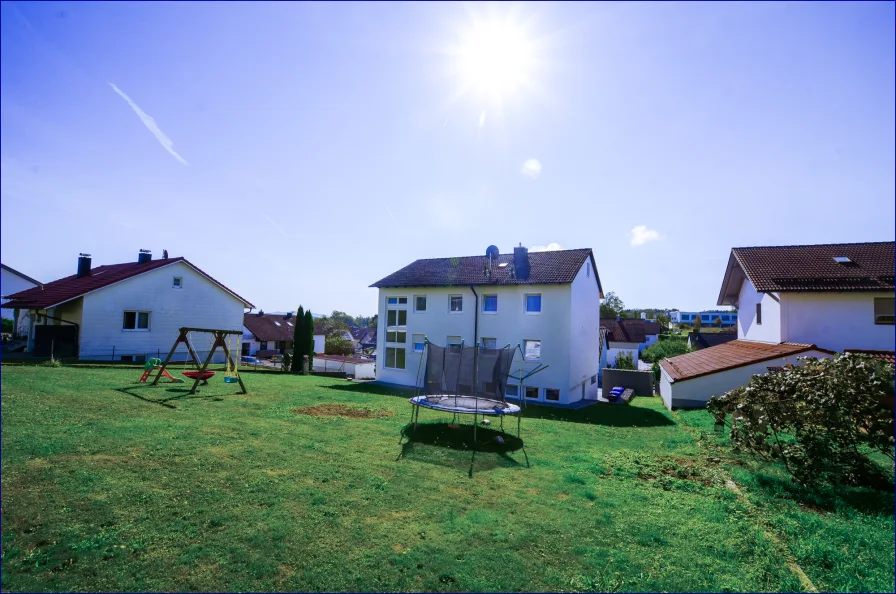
{"points": [[551, 394], [246, 347], [263, 346], [395, 358], [512, 391], [532, 392]]}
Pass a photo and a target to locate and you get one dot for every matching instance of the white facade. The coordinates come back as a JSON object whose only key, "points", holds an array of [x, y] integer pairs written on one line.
{"points": [[319, 341], [830, 320], [198, 303], [10, 283], [696, 392], [567, 328], [617, 348]]}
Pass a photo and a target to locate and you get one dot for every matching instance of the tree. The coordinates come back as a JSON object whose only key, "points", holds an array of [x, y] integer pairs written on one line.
{"points": [[625, 360], [664, 349], [342, 317], [612, 307], [299, 345], [337, 345], [718, 321], [309, 338], [822, 419], [663, 320], [697, 323], [373, 320]]}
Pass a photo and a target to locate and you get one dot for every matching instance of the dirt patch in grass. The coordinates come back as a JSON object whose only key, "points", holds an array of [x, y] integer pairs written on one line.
{"points": [[340, 410]]}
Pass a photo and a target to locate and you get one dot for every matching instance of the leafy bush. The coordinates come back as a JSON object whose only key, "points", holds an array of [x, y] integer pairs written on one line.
{"points": [[822, 419], [670, 347], [8, 326], [287, 363], [336, 345], [625, 360]]}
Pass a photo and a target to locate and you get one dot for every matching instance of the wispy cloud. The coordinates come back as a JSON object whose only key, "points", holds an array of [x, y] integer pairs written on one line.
{"points": [[531, 169], [551, 247], [150, 123], [641, 235], [391, 215], [276, 226]]}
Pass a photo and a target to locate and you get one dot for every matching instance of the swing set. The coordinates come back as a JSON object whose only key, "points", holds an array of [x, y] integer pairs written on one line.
{"points": [[220, 338]]}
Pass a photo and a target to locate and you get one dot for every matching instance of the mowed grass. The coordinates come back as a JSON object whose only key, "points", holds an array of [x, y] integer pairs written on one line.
{"points": [[110, 485]]}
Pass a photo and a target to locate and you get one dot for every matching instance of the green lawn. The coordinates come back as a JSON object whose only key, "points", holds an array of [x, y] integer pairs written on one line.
{"points": [[110, 485]]}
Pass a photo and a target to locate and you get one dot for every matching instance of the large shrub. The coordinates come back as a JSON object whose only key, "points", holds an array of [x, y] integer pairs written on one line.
{"points": [[336, 345], [670, 347], [625, 360], [822, 419]]}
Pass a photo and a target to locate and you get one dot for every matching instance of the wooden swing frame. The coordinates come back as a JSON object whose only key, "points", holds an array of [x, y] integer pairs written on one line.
{"points": [[220, 341]]}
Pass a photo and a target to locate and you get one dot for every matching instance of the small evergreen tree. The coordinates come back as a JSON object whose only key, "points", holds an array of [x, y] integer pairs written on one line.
{"points": [[298, 342], [309, 338], [718, 321], [697, 323]]}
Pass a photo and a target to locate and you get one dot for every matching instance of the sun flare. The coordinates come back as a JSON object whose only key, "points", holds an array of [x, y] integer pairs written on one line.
{"points": [[495, 58]]}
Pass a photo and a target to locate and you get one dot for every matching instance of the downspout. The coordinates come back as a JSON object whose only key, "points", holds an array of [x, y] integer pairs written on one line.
{"points": [[475, 316]]}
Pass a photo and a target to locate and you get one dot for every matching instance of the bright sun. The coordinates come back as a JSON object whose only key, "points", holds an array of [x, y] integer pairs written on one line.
{"points": [[496, 58]]}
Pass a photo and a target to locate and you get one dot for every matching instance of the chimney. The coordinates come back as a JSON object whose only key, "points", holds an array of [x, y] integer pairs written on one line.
{"points": [[260, 313], [521, 262], [83, 265], [144, 256], [289, 315]]}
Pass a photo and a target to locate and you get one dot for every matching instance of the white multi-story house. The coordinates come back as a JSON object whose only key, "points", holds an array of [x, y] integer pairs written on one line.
{"points": [[128, 311], [13, 281], [546, 303], [792, 301]]}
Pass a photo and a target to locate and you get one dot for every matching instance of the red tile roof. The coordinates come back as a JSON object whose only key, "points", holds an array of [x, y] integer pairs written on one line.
{"points": [[270, 327], [556, 267], [72, 287], [730, 355], [887, 356], [813, 268], [625, 330], [652, 328]]}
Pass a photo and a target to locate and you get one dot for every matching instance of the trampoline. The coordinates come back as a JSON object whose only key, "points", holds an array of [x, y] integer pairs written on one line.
{"points": [[464, 380]]}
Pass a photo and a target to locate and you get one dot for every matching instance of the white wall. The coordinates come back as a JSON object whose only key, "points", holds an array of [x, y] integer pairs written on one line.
{"points": [[622, 347], [200, 304], [11, 283], [584, 334], [510, 325], [835, 321], [365, 370], [319, 340], [747, 328], [651, 339], [694, 393]]}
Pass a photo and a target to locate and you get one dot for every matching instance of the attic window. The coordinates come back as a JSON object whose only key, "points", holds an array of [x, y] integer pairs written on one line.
{"points": [[289, 323], [278, 323], [502, 265], [842, 260]]}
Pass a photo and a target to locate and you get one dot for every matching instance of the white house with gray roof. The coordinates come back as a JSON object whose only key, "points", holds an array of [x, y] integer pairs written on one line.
{"points": [[547, 303]]}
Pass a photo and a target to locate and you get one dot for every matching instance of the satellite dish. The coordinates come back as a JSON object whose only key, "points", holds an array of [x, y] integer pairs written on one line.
{"points": [[492, 252]]}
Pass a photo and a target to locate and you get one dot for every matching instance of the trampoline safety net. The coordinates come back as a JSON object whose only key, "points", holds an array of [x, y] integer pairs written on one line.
{"points": [[464, 376]]}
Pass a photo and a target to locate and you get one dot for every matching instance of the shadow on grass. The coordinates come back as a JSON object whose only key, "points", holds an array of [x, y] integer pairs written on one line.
{"points": [[602, 414], [373, 388], [877, 499], [177, 394], [453, 445]]}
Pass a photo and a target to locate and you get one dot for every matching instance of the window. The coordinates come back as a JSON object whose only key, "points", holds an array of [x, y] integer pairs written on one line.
{"points": [[512, 390], [532, 392], [489, 304], [490, 343], [759, 314], [397, 300], [396, 317], [396, 336], [456, 303], [420, 303], [419, 341], [532, 350], [136, 320], [587, 272], [395, 358], [454, 341], [593, 379], [178, 282], [842, 260], [127, 357], [263, 346], [245, 349], [533, 303], [551, 394], [883, 310]]}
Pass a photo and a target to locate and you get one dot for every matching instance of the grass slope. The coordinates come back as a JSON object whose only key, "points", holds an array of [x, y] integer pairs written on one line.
{"points": [[108, 485]]}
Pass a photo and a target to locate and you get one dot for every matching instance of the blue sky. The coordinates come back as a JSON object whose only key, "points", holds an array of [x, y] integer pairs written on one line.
{"points": [[300, 152]]}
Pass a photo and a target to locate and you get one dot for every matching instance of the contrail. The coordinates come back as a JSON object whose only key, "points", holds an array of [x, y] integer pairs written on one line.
{"points": [[276, 225], [391, 215], [150, 123]]}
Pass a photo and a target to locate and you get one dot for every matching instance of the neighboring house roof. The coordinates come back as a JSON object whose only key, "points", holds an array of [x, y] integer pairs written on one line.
{"points": [[71, 287], [545, 268], [626, 330], [810, 268], [730, 355], [652, 328], [364, 336], [270, 327], [19, 274], [887, 356], [703, 340]]}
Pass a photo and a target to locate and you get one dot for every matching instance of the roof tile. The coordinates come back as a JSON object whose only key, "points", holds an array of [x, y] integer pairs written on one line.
{"points": [[730, 355]]}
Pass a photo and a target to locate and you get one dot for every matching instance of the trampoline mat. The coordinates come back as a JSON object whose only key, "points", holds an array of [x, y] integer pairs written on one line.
{"points": [[465, 405]]}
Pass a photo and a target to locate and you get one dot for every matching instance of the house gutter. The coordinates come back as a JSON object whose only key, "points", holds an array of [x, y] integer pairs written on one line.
{"points": [[475, 316]]}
